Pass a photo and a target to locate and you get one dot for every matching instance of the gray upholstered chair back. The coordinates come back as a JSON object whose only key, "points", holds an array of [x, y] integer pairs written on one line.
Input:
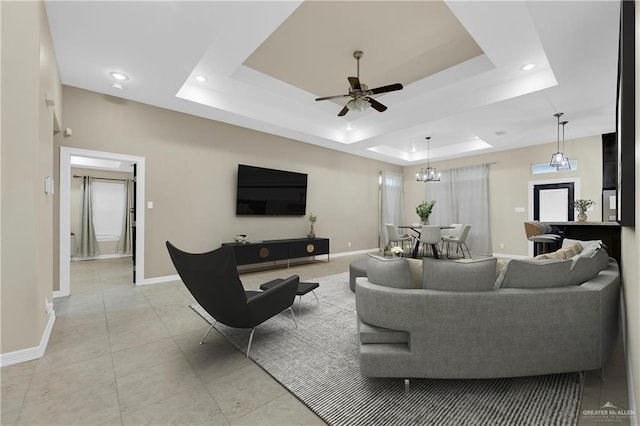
{"points": [[392, 232], [464, 233], [430, 234]]}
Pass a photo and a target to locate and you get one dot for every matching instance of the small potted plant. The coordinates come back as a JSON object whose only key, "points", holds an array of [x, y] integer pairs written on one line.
{"points": [[424, 210], [581, 206], [312, 219]]}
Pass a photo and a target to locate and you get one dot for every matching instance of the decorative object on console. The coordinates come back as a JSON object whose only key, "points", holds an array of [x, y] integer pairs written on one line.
{"points": [[312, 219], [396, 251], [557, 158], [240, 238], [424, 210], [361, 95], [429, 174], [581, 206]]}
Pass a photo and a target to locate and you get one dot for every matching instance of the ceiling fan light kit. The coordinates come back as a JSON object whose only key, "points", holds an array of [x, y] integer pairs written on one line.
{"points": [[360, 94]]}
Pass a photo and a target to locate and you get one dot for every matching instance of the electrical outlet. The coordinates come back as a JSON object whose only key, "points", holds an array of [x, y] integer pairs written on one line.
{"points": [[349, 244], [501, 245]]}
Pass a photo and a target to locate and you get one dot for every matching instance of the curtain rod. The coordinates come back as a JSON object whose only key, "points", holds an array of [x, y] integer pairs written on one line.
{"points": [[103, 178]]}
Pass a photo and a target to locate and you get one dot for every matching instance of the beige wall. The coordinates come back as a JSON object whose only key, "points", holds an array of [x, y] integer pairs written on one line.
{"points": [[29, 76], [509, 177], [75, 195], [631, 252], [191, 168]]}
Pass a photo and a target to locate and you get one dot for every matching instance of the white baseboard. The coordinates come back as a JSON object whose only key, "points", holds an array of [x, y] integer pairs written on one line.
{"points": [[158, 280], [99, 257], [29, 354], [510, 256], [347, 253]]}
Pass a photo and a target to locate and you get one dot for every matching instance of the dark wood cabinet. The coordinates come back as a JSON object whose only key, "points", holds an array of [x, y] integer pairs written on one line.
{"points": [[279, 250]]}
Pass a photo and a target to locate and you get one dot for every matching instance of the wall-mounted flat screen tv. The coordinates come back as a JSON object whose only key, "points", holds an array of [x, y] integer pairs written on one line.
{"points": [[269, 192]]}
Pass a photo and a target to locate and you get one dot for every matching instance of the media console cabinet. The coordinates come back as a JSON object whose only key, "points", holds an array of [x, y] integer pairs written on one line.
{"points": [[278, 250]]}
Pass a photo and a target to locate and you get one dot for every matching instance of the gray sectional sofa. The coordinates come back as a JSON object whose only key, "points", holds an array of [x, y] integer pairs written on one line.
{"points": [[464, 323]]}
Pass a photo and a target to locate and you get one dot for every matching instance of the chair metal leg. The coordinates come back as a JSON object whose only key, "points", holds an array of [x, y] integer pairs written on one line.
{"points": [[317, 300], [207, 333], [299, 306], [293, 316], [468, 252], [250, 340]]}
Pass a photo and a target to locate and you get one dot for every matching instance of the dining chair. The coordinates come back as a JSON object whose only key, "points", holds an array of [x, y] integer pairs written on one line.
{"points": [[452, 231], [459, 240], [396, 237], [430, 235]]}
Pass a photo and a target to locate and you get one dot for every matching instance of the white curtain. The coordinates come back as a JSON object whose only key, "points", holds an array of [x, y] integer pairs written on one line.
{"points": [[391, 203], [126, 236], [462, 196], [88, 242]]}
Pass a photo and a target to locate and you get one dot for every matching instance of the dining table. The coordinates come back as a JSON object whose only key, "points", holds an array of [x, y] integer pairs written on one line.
{"points": [[416, 229]]}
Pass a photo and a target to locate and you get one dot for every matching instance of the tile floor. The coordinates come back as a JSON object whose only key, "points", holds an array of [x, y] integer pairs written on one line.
{"points": [[126, 355]]}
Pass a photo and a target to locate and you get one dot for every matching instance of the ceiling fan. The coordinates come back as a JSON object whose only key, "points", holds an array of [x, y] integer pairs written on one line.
{"points": [[361, 94]]}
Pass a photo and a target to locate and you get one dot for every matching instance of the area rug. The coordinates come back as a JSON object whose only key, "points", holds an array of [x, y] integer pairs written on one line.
{"points": [[318, 363]]}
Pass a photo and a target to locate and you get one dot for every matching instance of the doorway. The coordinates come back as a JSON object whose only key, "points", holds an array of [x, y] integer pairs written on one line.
{"points": [[65, 212]]}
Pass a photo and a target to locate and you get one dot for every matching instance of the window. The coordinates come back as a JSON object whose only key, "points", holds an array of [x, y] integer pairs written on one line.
{"points": [[108, 209]]}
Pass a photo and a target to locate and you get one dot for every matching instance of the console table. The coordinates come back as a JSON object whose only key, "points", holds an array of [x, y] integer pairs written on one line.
{"points": [[277, 250]]}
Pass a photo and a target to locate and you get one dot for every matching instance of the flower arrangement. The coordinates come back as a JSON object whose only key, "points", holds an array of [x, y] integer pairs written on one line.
{"points": [[424, 209], [312, 219], [396, 250], [582, 205]]}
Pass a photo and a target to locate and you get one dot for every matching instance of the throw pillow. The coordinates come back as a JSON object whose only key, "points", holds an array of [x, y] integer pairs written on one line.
{"points": [[587, 265], [534, 274], [584, 244], [561, 254], [415, 266], [389, 272], [476, 275]]}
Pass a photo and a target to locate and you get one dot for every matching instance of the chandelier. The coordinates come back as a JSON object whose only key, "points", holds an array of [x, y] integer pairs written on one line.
{"points": [[566, 164], [429, 174], [558, 160]]}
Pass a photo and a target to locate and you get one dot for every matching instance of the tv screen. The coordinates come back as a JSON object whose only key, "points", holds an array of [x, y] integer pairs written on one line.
{"points": [[270, 192]]}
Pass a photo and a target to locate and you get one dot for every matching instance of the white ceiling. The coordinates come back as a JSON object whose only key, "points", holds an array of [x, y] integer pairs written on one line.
{"points": [[163, 45]]}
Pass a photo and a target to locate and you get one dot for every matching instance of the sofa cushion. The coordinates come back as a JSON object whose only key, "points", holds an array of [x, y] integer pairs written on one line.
{"points": [[459, 275], [587, 265], [561, 254], [371, 334], [389, 272], [534, 274]]}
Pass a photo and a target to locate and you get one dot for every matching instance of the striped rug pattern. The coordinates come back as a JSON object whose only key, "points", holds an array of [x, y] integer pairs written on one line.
{"points": [[318, 363]]}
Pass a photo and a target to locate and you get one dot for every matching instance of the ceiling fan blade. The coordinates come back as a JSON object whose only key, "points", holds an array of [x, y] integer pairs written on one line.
{"points": [[343, 111], [332, 97], [385, 89], [354, 82], [376, 105]]}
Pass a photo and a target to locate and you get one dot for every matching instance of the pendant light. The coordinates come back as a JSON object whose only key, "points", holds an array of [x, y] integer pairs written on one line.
{"points": [[566, 164], [557, 158], [429, 174]]}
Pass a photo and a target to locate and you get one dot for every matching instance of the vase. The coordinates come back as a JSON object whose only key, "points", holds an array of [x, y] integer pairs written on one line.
{"points": [[425, 221], [582, 217], [312, 233]]}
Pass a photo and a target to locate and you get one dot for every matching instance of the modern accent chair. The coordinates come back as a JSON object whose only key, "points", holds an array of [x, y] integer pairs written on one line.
{"points": [[212, 278], [540, 234], [453, 231], [460, 241], [431, 235], [395, 236]]}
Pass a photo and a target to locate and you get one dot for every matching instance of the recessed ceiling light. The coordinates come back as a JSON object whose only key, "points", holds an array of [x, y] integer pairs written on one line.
{"points": [[528, 67], [349, 127], [117, 86], [201, 78], [118, 76]]}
